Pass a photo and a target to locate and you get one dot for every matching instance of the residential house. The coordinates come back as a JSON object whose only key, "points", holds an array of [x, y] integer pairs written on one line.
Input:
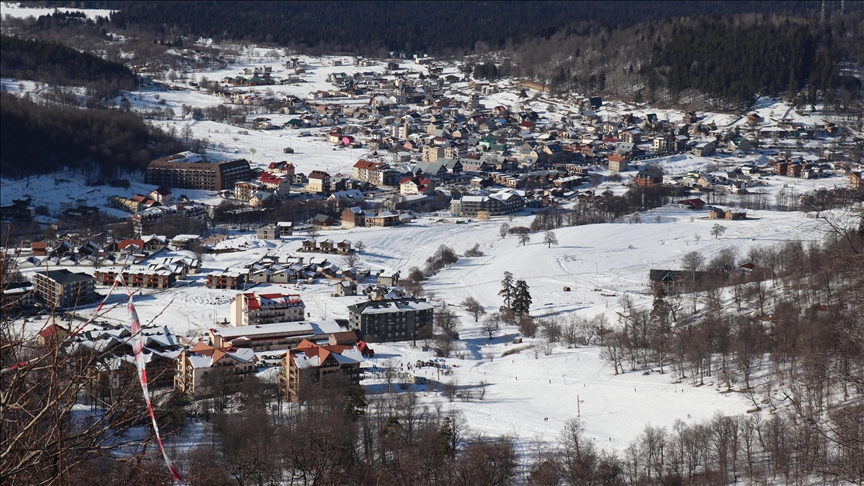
{"points": [[269, 232], [246, 190], [286, 228], [432, 153], [674, 281], [648, 176], [618, 162], [375, 173], [161, 195], [630, 136], [319, 182], [353, 217], [322, 220], [346, 288], [281, 169], [416, 185], [384, 218], [388, 279], [704, 149], [278, 184]]}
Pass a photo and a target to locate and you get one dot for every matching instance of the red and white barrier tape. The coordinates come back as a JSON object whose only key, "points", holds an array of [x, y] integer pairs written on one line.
{"points": [[138, 348]]}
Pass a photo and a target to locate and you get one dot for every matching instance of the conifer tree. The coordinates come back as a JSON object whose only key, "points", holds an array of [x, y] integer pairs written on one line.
{"points": [[507, 289], [521, 298]]}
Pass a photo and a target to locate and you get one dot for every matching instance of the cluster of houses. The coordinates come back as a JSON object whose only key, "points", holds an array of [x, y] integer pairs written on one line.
{"points": [[283, 269]]}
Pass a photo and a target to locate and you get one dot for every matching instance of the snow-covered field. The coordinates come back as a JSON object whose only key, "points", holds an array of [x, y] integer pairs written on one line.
{"points": [[14, 9], [599, 263]]}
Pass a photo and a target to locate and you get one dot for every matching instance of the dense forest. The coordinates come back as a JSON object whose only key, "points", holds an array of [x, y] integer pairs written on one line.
{"points": [[57, 64], [717, 62], [739, 62], [433, 27], [39, 139]]}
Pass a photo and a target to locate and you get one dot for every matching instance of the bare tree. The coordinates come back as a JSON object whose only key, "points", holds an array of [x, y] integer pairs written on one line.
{"points": [[550, 239], [717, 230], [446, 321], [502, 230], [473, 307], [491, 323], [313, 232]]}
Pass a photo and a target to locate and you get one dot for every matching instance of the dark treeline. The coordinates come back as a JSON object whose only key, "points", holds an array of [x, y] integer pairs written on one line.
{"points": [[738, 63], [56, 64], [434, 27], [717, 62], [39, 139], [606, 208]]}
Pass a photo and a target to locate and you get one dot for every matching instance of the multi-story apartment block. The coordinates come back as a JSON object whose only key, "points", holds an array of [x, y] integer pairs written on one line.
{"points": [[188, 170], [250, 309], [309, 365], [62, 288], [502, 202], [391, 320]]}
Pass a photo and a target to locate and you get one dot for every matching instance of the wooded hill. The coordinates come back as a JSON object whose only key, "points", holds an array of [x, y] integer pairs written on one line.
{"points": [[59, 65], [716, 63], [432, 27], [39, 139]]}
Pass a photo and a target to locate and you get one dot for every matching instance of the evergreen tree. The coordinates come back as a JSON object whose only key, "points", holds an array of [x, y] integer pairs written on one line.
{"points": [[521, 298], [355, 401], [507, 289], [446, 438]]}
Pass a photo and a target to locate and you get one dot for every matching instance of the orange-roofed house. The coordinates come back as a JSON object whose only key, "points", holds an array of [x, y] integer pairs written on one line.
{"points": [[52, 334], [310, 366], [203, 367]]}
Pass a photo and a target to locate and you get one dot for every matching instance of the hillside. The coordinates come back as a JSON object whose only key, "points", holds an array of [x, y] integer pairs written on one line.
{"points": [[57, 64], [38, 139]]}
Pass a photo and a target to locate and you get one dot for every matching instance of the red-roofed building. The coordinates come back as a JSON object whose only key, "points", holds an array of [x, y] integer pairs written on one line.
{"points": [[375, 173], [618, 162], [281, 168], [132, 246], [252, 309], [39, 248], [309, 366], [416, 185], [52, 334], [280, 185], [692, 203], [319, 181]]}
